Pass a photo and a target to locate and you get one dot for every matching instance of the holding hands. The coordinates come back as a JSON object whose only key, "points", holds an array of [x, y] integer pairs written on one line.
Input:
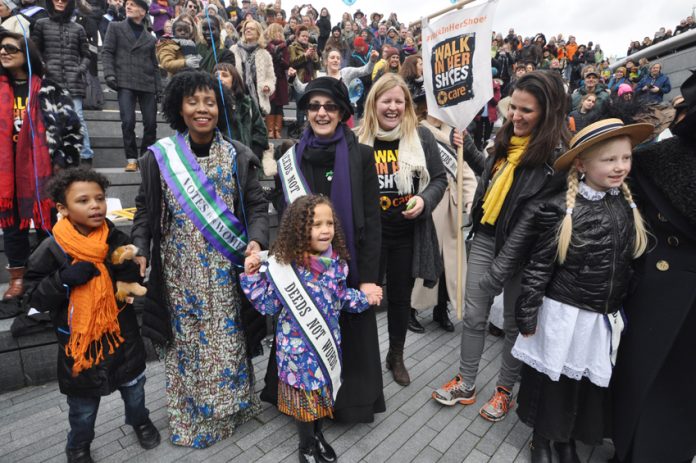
{"points": [[373, 293]]}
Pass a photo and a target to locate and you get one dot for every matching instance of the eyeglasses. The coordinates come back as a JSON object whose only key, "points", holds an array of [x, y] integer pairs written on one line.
{"points": [[328, 107], [9, 48]]}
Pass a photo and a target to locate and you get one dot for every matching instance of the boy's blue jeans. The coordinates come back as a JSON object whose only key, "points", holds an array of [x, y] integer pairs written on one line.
{"points": [[83, 413]]}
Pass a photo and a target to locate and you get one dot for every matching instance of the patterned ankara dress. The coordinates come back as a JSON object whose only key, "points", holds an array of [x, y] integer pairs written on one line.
{"points": [[210, 383]]}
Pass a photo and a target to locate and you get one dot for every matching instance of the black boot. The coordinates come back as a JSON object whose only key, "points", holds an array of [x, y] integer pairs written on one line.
{"points": [[441, 316], [566, 452], [541, 449], [148, 435], [80, 455], [308, 452], [413, 323], [325, 451], [395, 362]]}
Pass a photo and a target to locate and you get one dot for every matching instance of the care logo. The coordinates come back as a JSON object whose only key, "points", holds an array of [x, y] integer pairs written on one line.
{"points": [[452, 71]]}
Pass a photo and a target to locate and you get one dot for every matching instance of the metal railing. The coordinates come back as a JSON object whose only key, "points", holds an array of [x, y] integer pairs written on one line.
{"points": [[661, 49]]}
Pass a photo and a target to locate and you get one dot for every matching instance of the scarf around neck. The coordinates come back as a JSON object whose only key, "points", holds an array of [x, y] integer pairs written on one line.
{"points": [[92, 310], [341, 189], [502, 180], [25, 167], [247, 51], [411, 158]]}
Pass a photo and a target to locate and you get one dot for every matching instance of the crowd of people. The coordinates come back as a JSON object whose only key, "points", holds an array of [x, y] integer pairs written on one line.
{"points": [[579, 216]]}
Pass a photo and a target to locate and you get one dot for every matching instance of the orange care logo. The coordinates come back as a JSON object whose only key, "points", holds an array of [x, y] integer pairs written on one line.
{"points": [[452, 69]]}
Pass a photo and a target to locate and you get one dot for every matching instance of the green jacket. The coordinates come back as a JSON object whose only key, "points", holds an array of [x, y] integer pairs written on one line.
{"points": [[248, 125]]}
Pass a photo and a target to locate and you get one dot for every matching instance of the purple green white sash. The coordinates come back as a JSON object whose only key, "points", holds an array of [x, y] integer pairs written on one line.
{"points": [[315, 329], [196, 194], [294, 183]]}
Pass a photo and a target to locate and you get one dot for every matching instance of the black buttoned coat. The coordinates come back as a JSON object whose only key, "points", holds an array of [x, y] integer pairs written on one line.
{"points": [[655, 375]]}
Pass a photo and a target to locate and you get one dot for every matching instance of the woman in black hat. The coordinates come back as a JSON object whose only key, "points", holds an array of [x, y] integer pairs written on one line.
{"points": [[332, 162]]}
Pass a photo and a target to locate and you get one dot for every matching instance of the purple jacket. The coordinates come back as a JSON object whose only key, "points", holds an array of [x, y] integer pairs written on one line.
{"points": [[160, 15]]}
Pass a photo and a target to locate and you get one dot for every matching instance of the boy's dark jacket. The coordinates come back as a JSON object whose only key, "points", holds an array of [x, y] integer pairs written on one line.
{"points": [[46, 293]]}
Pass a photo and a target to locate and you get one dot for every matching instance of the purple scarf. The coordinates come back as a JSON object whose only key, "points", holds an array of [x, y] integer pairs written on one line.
{"points": [[341, 194]]}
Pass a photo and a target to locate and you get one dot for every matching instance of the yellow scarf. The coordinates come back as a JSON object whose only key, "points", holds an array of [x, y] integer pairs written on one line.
{"points": [[93, 316], [502, 180]]}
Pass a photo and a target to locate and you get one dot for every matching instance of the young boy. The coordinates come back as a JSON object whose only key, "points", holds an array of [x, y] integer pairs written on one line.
{"points": [[71, 276]]}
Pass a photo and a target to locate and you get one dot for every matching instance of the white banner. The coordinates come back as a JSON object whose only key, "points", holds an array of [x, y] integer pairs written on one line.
{"points": [[457, 63]]}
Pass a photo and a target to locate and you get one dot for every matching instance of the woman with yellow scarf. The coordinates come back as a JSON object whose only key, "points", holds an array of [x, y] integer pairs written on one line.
{"points": [[516, 170]]}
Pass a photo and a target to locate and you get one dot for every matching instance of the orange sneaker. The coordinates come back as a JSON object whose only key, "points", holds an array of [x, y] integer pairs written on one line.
{"points": [[499, 405], [454, 392]]}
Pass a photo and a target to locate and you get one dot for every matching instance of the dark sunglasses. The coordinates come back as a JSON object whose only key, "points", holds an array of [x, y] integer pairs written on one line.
{"points": [[328, 107], [9, 48]]}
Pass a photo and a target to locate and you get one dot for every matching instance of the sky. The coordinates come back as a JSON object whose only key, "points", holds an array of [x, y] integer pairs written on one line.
{"points": [[613, 25]]}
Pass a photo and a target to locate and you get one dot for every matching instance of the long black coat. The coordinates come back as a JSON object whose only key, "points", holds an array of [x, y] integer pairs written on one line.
{"points": [[64, 47], [655, 374], [45, 292]]}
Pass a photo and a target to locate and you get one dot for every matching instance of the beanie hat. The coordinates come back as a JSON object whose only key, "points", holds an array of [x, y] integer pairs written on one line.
{"points": [[624, 88], [335, 28], [391, 51], [142, 4], [359, 43]]}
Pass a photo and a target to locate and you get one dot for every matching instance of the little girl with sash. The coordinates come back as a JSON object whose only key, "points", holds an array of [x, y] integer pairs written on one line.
{"points": [[304, 279]]}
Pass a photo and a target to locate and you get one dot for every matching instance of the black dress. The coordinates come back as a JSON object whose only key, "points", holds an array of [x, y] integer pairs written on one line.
{"points": [[361, 394]]}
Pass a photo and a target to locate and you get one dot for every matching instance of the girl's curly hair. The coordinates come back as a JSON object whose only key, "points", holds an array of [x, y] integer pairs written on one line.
{"points": [[292, 246]]}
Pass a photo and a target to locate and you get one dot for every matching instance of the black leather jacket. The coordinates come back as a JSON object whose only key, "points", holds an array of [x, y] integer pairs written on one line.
{"points": [[596, 273], [528, 183]]}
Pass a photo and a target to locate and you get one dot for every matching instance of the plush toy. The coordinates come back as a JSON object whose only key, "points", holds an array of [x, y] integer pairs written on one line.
{"points": [[124, 289]]}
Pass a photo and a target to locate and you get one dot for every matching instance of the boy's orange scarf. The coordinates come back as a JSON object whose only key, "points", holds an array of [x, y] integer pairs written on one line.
{"points": [[92, 310]]}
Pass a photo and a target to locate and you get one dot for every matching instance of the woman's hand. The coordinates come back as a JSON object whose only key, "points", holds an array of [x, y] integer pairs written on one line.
{"points": [[373, 293], [374, 56], [457, 138], [416, 209], [252, 248], [266, 89], [142, 263], [292, 72], [529, 335], [252, 264]]}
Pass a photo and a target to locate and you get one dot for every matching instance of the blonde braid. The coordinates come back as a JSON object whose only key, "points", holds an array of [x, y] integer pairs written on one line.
{"points": [[641, 240], [565, 231]]}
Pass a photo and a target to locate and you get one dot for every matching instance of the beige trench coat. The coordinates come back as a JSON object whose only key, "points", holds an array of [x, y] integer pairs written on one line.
{"points": [[445, 219]]}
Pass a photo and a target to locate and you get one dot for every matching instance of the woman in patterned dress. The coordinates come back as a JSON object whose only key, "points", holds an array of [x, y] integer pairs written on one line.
{"points": [[194, 306]]}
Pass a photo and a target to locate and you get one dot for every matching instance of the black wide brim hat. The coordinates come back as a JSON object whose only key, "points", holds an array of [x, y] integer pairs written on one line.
{"points": [[333, 88]]}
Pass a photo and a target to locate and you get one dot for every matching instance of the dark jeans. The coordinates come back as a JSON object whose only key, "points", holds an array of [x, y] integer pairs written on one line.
{"points": [[396, 261], [148, 107], [16, 242], [83, 413]]}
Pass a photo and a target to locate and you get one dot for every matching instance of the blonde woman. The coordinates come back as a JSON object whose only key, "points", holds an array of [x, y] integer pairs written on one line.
{"points": [[280, 55], [255, 64], [412, 181], [573, 288]]}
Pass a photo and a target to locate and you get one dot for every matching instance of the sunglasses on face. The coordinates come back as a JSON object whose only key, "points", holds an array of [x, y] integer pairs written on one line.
{"points": [[9, 48], [328, 107]]}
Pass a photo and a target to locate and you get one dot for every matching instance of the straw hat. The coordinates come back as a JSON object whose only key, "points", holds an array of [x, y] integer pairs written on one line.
{"points": [[601, 131]]}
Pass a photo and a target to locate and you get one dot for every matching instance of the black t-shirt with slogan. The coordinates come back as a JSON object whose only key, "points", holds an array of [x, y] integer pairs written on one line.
{"points": [[393, 203], [19, 106]]}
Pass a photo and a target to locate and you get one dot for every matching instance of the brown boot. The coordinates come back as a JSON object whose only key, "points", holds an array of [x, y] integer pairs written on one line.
{"points": [[395, 362], [16, 287], [270, 124], [277, 125]]}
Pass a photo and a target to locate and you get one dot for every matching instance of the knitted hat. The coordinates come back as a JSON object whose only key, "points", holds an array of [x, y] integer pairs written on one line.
{"points": [[335, 29], [623, 89], [391, 51], [358, 13], [333, 88], [359, 43]]}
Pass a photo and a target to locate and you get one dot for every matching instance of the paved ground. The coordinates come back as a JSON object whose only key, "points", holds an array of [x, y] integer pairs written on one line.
{"points": [[33, 421]]}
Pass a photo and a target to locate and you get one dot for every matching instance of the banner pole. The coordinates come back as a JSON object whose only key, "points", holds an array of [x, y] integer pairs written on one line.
{"points": [[454, 6], [460, 231]]}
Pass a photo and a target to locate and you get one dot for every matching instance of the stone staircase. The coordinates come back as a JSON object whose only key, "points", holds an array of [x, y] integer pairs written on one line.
{"points": [[30, 360]]}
